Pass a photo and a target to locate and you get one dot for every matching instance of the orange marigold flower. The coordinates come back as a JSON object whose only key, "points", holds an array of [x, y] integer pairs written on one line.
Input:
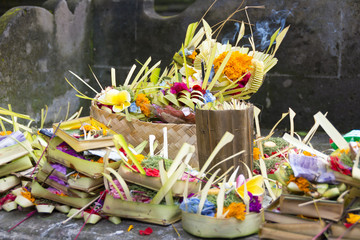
{"points": [[237, 66], [353, 218], [77, 175], [301, 182], [26, 194], [193, 55], [144, 103], [236, 210], [3, 133], [308, 154], [256, 153]]}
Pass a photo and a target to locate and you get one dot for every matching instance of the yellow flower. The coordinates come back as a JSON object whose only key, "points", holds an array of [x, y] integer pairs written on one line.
{"points": [[254, 186], [139, 158], [5, 133], [236, 210], [120, 100], [144, 103], [237, 66], [353, 218], [256, 153]]}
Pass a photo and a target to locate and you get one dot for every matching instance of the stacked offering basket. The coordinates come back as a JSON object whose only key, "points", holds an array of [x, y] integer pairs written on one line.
{"points": [[137, 131]]}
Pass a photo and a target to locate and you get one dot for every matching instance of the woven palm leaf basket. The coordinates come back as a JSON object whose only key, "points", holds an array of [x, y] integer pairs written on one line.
{"points": [[136, 131]]}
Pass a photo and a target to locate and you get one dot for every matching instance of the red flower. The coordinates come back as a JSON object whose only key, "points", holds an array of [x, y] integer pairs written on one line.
{"points": [[147, 231], [123, 151], [347, 225], [242, 83], [198, 88], [135, 168], [152, 172], [337, 166], [8, 198]]}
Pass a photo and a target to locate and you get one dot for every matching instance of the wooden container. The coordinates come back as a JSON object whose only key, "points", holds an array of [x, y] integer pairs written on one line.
{"points": [[211, 125]]}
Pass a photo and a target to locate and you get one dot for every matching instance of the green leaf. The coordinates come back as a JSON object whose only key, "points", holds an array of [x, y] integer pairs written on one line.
{"points": [[172, 98], [207, 29], [241, 33], [272, 39], [197, 38], [122, 183], [178, 59], [120, 140], [139, 73], [209, 66], [227, 138], [131, 72], [280, 38], [190, 33], [139, 148], [108, 177], [168, 184], [147, 73], [163, 177], [220, 200], [219, 71], [205, 190], [154, 77], [184, 150], [188, 102]]}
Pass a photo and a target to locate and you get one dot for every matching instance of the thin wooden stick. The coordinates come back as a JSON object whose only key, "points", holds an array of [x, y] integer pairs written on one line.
{"points": [[80, 210], [310, 202]]}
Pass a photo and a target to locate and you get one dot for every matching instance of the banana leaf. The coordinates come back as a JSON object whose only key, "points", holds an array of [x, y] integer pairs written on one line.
{"points": [[210, 227], [144, 212], [38, 191]]}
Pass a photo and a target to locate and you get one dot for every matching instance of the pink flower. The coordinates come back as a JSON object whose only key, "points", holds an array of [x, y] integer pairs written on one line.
{"points": [[178, 87], [152, 172]]}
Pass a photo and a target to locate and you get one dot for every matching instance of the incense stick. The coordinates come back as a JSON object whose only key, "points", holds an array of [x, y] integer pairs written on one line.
{"points": [[80, 210], [42, 154], [27, 216]]}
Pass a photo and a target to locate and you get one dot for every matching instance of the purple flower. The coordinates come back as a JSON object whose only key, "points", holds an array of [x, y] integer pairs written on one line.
{"points": [[58, 167], [254, 204], [58, 180], [8, 140], [64, 147]]}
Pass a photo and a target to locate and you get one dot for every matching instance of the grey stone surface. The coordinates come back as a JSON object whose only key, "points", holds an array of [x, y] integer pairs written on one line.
{"points": [[37, 48], [317, 70], [45, 226]]}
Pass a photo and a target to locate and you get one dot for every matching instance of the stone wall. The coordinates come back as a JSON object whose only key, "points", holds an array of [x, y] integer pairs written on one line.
{"points": [[37, 48], [317, 69]]}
